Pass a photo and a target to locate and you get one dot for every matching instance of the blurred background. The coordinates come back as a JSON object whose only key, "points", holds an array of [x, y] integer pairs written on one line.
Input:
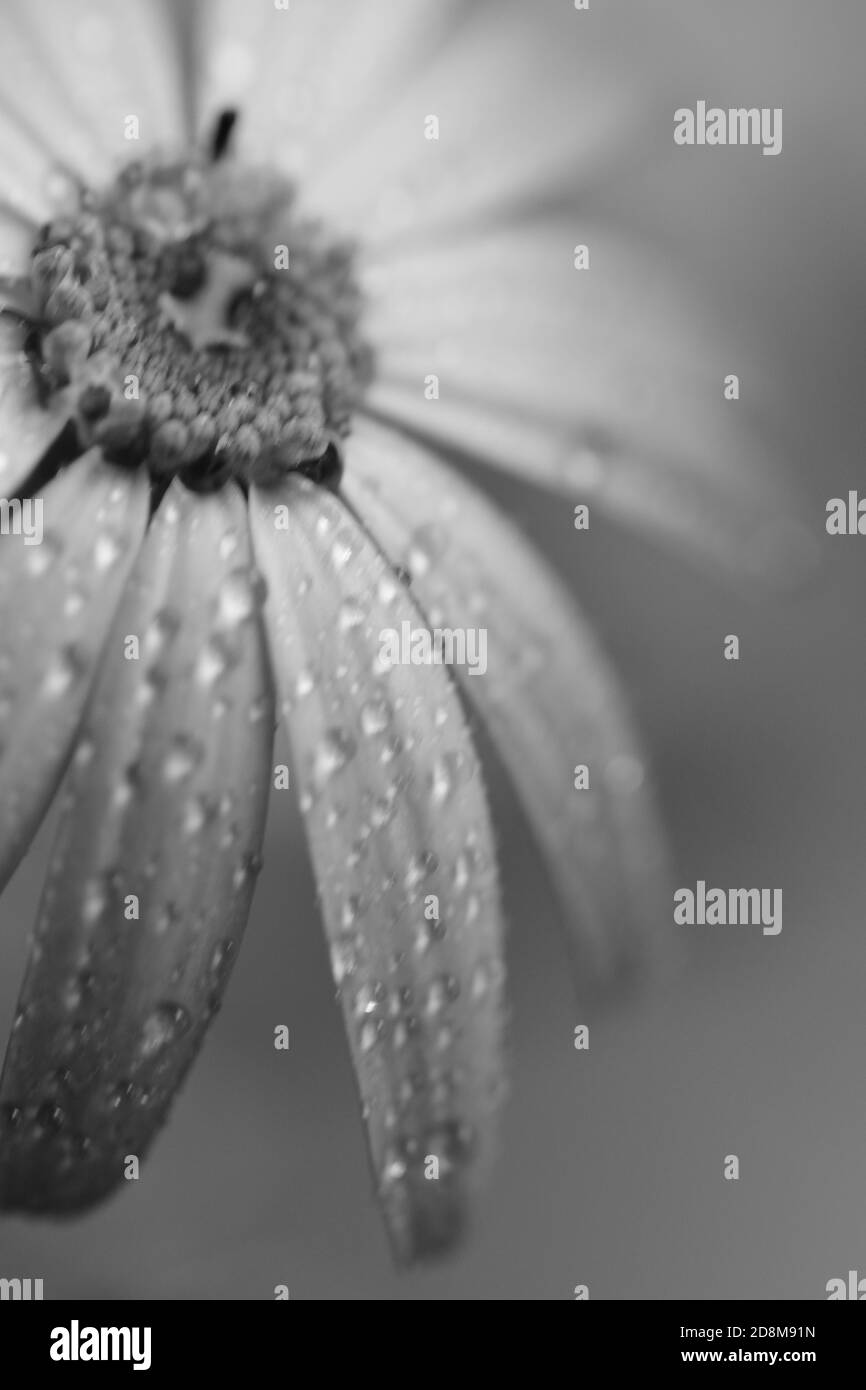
{"points": [[612, 1160]]}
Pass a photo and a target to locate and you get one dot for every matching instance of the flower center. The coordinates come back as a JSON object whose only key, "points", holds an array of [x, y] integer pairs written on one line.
{"points": [[197, 325]]}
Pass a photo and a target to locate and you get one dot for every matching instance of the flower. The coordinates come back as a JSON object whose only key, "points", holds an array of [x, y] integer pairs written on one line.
{"points": [[221, 375]]}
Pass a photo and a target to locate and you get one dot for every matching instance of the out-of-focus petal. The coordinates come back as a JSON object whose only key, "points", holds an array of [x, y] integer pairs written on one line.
{"points": [[43, 162], [604, 383], [305, 77], [75, 75], [547, 694], [57, 600], [339, 94], [26, 428], [17, 229], [401, 841], [153, 872]]}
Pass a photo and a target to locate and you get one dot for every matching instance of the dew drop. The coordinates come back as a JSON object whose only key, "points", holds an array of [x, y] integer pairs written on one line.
{"points": [[94, 900], [73, 603], [368, 1036], [443, 779], [41, 558], [64, 672], [246, 871], [341, 552], [241, 595], [350, 616], [441, 992], [387, 590], [375, 716], [84, 753], [228, 545], [394, 1168], [222, 958], [419, 868], [183, 756], [334, 753], [167, 917], [426, 545], [162, 630], [106, 551], [368, 999], [163, 1026], [215, 660], [197, 812], [344, 958]]}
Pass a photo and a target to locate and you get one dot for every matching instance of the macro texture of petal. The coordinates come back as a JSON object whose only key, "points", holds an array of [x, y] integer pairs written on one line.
{"points": [[16, 242], [88, 86], [153, 872], [57, 601], [304, 76], [342, 94], [401, 841], [546, 692], [26, 428], [604, 383]]}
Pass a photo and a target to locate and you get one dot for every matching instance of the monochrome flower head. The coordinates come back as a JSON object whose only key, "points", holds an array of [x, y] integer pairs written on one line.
{"points": [[273, 276]]}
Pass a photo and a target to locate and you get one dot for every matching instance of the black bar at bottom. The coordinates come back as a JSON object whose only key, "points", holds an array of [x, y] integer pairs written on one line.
{"points": [[163, 1339]]}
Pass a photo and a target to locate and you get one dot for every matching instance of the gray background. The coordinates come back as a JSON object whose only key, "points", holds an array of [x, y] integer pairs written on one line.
{"points": [[611, 1171]]}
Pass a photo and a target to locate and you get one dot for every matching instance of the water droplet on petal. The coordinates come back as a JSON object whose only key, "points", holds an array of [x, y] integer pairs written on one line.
{"points": [[183, 756], [106, 551], [419, 868], [215, 659], [441, 992], [162, 630], [241, 595], [167, 917], [350, 616], [163, 1026], [40, 558], [94, 900], [228, 545], [341, 551], [84, 753], [368, 1036], [65, 670], [336, 751], [375, 716], [443, 779]]}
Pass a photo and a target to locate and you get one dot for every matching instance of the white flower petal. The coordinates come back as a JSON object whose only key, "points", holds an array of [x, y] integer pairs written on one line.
{"points": [[338, 95], [18, 224], [26, 429], [45, 153], [153, 872], [75, 74], [547, 694], [57, 599], [401, 841], [605, 384], [528, 109], [304, 77]]}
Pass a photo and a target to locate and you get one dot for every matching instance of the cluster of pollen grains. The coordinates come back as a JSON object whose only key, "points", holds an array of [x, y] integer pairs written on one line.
{"points": [[198, 326]]}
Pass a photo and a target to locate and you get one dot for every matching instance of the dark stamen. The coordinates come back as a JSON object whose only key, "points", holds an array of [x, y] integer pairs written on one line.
{"points": [[327, 471], [223, 133]]}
